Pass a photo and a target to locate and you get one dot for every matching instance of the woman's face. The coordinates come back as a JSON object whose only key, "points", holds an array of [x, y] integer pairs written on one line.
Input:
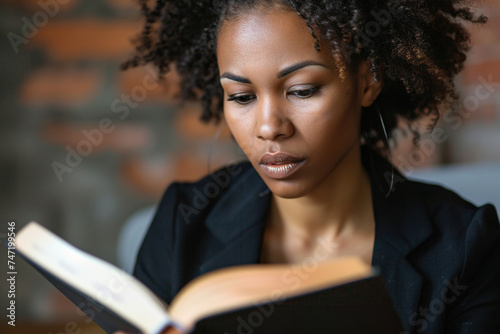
{"points": [[296, 120]]}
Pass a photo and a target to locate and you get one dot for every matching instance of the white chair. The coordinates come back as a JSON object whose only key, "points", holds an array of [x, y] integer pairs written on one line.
{"points": [[130, 238], [479, 183]]}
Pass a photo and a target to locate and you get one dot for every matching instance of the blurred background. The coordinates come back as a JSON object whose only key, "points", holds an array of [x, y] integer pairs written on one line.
{"points": [[87, 150]]}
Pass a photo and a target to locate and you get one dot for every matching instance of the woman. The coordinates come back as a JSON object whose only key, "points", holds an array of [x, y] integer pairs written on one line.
{"points": [[311, 91]]}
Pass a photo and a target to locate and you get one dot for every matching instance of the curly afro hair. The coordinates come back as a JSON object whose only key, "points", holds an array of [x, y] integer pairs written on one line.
{"points": [[416, 47]]}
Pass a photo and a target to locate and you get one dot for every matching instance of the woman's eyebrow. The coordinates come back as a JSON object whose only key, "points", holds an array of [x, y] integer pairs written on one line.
{"points": [[283, 73], [290, 69], [227, 75]]}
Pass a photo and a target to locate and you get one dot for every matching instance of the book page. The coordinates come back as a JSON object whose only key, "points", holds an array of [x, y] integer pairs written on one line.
{"points": [[103, 282]]}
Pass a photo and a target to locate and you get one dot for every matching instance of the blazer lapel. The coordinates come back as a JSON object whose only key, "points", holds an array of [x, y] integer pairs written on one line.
{"points": [[403, 282], [402, 224], [238, 222]]}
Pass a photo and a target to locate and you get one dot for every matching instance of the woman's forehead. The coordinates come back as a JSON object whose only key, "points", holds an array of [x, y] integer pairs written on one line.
{"points": [[275, 36]]}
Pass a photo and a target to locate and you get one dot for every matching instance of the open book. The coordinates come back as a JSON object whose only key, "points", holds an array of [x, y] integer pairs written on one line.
{"points": [[336, 296]]}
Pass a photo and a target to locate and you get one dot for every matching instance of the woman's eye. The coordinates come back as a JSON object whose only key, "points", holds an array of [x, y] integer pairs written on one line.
{"points": [[241, 99], [305, 93]]}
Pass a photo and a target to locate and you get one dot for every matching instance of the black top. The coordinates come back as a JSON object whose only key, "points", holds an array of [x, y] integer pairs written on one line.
{"points": [[439, 254]]}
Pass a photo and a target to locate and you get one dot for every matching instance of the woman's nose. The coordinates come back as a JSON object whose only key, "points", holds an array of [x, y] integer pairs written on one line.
{"points": [[273, 122]]}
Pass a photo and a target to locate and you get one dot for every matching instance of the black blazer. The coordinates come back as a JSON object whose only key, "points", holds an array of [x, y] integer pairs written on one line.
{"points": [[439, 255]]}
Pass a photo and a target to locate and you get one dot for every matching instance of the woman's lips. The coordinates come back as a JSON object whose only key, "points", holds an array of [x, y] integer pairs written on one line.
{"points": [[280, 165]]}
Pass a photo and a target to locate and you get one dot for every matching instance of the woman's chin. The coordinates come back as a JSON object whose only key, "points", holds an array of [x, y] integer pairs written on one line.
{"points": [[287, 190]]}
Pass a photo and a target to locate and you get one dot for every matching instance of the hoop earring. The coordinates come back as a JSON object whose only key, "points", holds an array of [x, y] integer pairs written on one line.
{"points": [[212, 145], [391, 189]]}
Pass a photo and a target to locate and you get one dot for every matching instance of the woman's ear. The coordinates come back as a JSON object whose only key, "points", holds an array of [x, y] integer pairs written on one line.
{"points": [[368, 87]]}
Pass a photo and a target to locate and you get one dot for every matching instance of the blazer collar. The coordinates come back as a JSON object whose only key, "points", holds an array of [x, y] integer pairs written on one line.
{"points": [[238, 221], [402, 223], [243, 207]]}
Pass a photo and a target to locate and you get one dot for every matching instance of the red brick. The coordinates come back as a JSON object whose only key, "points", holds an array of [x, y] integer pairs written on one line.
{"points": [[472, 72], [124, 138], [167, 90], [66, 87], [86, 38]]}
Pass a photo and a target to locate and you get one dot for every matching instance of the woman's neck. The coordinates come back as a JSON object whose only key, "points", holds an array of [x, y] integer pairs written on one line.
{"points": [[340, 205]]}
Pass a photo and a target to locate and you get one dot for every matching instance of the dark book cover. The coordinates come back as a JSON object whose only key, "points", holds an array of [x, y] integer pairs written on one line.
{"points": [[359, 307]]}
